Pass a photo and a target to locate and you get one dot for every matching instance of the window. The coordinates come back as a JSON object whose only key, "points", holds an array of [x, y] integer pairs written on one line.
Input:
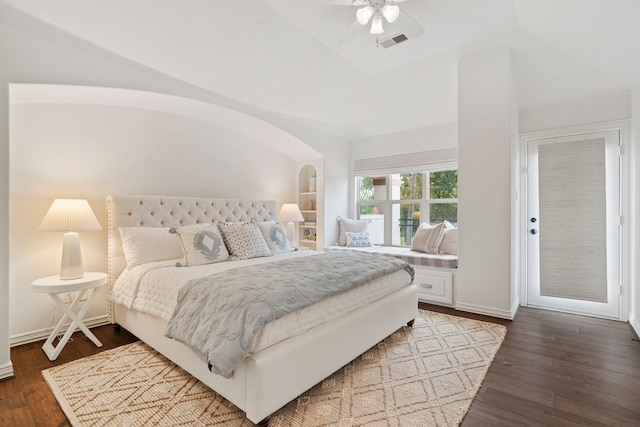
{"points": [[397, 203]]}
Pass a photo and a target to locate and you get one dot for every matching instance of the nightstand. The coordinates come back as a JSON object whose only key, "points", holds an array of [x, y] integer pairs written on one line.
{"points": [[54, 286]]}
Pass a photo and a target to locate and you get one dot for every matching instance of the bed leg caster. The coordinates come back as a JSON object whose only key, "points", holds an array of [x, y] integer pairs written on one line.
{"points": [[264, 423], [410, 323]]}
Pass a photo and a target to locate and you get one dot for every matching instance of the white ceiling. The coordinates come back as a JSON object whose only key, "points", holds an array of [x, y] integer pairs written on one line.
{"points": [[284, 56]]}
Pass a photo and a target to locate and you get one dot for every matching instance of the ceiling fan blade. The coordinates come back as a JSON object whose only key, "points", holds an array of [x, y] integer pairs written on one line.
{"points": [[351, 32]]}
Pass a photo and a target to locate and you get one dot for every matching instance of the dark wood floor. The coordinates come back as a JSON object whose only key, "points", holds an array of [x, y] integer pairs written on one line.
{"points": [[26, 400], [553, 369], [556, 369]]}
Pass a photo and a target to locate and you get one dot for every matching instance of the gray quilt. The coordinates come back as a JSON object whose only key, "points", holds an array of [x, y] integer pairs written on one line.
{"points": [[219, 315]]}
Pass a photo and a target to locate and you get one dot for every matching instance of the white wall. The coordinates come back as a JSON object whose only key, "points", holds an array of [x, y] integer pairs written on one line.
{"points": [[604, 108], [6, 368], [336, 174], [634, 222], [85, 151], [410, 141], [516, 175], [485, 140]]}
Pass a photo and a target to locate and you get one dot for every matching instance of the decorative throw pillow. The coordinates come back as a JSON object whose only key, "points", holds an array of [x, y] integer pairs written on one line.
{"points": [[352, 226], [358, 240], [449, 243], [275, 236], [427, 238], [244, 240], [201, 244], [147, 244]]}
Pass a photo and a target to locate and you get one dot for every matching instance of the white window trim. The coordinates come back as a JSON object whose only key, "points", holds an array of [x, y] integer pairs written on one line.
{"points": [[387, 204]]}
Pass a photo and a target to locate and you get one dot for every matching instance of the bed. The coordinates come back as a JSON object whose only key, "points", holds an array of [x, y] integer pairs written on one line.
{"points": [[279, 370]]}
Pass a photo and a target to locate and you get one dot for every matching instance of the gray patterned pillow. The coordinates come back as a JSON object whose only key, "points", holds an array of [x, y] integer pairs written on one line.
{"points": [[275, 236], [244, 240], [201, 244]]}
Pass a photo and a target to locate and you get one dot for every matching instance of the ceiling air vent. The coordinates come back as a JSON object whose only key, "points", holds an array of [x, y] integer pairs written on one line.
{"points": [[394, 40]]}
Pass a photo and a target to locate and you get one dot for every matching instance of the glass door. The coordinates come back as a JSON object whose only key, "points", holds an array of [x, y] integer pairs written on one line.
{"points": [[573, 208]]}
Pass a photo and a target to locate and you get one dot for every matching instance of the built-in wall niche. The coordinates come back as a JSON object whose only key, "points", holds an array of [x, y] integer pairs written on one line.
{"points": [[308, 201]]}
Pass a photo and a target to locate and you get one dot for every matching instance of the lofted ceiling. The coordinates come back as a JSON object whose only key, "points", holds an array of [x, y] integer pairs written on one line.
{"points": [[307, 60]]}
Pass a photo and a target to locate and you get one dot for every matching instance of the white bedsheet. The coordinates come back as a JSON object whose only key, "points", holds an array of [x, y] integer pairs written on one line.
{"points": [[153, 288]]}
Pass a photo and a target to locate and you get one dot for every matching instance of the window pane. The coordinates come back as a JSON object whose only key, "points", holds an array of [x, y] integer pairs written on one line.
{"points": [[438, 212], [375, 213], [406, 186], [443, 184], [405, 219], [372, 188]]}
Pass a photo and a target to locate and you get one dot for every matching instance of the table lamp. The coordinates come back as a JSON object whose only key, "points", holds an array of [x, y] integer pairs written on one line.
{"points": [[70, 216], [290, 212]]}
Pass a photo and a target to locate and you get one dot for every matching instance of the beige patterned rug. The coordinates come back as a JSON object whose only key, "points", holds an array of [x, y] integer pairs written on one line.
{"points": [[427, 375]]}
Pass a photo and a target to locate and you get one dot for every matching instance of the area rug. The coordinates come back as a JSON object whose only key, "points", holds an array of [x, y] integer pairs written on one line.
{"points": [[426, 375]]}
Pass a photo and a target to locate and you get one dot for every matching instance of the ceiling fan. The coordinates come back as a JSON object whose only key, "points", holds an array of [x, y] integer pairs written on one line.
{"points": [[380, 13]]}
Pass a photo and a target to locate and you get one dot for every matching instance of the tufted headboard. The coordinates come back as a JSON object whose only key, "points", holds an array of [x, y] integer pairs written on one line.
{"points": [[169, 211]]}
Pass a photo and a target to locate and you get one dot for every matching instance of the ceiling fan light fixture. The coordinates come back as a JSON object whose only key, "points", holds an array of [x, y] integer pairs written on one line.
{"points": [[390, 12], [364, 14], [376, 26]]}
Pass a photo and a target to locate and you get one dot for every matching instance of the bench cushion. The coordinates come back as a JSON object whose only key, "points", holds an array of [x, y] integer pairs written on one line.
{"points": [[406, 254]]}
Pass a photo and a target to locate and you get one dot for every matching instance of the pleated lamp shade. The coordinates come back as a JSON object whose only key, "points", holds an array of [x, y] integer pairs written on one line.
{"points": [[290, 212], [70, 216]]}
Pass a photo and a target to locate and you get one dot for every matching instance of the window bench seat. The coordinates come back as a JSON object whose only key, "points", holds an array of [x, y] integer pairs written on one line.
{"points": [[434, 274]]}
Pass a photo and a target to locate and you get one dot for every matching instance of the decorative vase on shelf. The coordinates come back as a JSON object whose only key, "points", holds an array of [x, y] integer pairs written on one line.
{"points": [[312, 184]]}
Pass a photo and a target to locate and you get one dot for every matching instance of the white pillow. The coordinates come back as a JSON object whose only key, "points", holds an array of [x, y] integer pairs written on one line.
{"points": [[243, 240], [352, 226], [449, 243], [428, 238], [275, 236], [147, 244], [358, 240], [201, 244]]}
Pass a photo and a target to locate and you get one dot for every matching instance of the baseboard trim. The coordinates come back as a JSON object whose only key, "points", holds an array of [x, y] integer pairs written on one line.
{"points": [[514, 308], [6, 371], [487, 311], [635, 324], [43, 334]]}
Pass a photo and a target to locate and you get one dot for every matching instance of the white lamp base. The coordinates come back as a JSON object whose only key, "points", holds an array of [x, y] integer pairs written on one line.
{"points": [[71, 264], [291, 234]]}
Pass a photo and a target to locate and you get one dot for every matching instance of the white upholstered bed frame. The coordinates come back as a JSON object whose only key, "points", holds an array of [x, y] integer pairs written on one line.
{"points": [[271, 378]]}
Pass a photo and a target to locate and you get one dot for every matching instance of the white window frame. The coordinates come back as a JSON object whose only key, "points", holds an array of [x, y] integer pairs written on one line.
{"points": [[387, 205]]}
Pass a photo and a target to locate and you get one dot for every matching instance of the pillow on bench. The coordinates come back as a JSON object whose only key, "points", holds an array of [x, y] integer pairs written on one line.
{"points": [[436, 239], [449, 243], [428, 238], [352, 226]]}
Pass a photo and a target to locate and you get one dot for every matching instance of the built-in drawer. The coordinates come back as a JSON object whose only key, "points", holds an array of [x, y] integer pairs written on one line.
{"points": [[434, 285]]}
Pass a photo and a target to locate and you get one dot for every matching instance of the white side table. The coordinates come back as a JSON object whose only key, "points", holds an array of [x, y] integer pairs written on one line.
{"points": [[54, 286]]}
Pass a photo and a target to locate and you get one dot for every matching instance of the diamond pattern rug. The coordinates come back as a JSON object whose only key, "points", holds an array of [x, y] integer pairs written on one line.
{"points": [[426, 375]]}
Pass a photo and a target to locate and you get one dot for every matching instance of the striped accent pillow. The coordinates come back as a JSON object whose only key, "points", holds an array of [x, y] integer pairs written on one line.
{"points": [[428, 238]]}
